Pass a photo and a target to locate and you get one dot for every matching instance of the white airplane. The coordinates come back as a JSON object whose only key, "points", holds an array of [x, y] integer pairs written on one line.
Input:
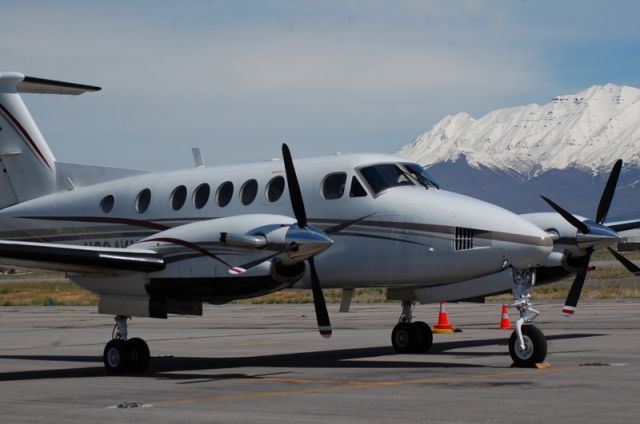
{"points": [[157, 243]]}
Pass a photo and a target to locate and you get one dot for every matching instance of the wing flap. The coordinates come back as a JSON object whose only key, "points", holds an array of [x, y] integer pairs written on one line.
{"points": [[67, 258]]}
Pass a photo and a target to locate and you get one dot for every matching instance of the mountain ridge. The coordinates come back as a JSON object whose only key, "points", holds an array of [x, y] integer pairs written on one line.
{"points": [[564, 149], [588, 130]]}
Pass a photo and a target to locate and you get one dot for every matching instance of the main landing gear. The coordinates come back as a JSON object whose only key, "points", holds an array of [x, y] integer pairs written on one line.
{"points": [[527, 345], [408, 336], [122, 355]]}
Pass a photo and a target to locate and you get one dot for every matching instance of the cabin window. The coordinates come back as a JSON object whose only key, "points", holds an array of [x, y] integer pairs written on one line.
{"points": [[384, 176], [178, 197], [201, 195], [248, 192], [143, 200], [356, 188], [333, 185], [107, 203], [224, 194], [275, 188]]}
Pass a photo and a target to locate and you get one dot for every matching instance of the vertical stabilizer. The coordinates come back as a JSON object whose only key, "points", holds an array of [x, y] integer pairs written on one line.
{"points": [[27, 165]]}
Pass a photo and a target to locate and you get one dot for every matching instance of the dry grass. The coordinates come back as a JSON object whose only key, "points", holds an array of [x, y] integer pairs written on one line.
{"points": [[331, 296], [38, 289], [593, 289], [44, 293], [604, 255]]}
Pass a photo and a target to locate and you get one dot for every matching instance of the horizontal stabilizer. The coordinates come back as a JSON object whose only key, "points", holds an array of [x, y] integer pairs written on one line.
{"points": [[27, 84], [67, 258], [47, 86]]}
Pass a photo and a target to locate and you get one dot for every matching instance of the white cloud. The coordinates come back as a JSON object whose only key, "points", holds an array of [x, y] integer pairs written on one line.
{"points": [[347, 76]]}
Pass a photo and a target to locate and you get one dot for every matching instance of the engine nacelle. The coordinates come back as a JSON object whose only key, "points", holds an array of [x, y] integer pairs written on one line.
{"points": [[565, 235], [255, 235]]}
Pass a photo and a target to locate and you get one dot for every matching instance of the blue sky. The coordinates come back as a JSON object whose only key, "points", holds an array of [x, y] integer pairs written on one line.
{"points": [[237, 78]]}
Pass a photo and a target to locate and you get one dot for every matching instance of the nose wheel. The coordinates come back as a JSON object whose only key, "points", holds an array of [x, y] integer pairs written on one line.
{"points": [[527, 344], [534, 350], [122, 356]]}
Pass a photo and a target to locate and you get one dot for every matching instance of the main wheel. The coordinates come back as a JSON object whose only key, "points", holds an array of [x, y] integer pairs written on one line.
{"points": [[116, 357], [423, 336], [139, 355], [535, 347], [402, 337]]}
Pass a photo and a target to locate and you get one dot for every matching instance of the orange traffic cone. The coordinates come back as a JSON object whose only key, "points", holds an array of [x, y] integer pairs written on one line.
{"points": [[505, 324], [443, 325]]}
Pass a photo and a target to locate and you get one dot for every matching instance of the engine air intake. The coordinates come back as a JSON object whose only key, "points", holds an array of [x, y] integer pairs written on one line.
{"points": [[464, 238]]}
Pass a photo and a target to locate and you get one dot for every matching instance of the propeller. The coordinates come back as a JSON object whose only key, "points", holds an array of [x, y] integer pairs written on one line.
{"points": [[295, 194], [631, 267], [592, 234]]}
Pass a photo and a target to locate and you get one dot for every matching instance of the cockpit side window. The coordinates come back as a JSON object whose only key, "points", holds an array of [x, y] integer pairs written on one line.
{"points": [[333, 185], [356, 188], [421, 175], [384, 176]]}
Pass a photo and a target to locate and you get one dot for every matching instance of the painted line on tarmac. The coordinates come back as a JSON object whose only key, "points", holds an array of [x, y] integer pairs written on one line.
{"points": [[348, 385]]}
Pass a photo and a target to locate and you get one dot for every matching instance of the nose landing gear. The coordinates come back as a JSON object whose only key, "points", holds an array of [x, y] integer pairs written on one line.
{"points": [[527, 344], [122, 355]]}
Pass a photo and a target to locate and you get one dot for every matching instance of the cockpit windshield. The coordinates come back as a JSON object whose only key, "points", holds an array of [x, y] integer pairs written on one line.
{"points": [[420, 174], [384, 176]]}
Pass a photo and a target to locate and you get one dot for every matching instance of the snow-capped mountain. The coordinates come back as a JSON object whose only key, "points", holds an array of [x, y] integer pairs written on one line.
{"points": [[588, 131], [564, 149]]}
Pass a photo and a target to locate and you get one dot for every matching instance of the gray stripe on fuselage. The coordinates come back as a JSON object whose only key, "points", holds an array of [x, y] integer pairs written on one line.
{"points": [[59, 234]]}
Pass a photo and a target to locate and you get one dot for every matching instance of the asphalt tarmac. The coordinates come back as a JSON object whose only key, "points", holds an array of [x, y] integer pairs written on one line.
{"points": [[268, 364]]}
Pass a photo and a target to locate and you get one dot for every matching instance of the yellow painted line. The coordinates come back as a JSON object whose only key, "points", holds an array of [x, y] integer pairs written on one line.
{"points": [[342, 386]]}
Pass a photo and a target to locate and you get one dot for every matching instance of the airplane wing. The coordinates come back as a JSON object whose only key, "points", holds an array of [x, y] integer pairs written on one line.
{"points": [[624, 225], [68, 258]]}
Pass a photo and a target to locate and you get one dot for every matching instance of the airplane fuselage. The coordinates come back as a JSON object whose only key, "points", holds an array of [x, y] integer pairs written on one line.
{"points": [[408, 235]]}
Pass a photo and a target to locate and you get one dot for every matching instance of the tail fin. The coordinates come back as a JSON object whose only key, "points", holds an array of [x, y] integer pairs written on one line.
{"points": [[27, 165]]}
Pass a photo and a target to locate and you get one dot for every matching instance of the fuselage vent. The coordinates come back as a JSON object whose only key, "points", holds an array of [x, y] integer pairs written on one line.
{"points": [[464, 238]]}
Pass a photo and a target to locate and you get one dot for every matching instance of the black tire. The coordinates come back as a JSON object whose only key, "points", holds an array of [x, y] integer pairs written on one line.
{"points": [[403, 338], [535, 347], [139, 355], [116, 357], [423, 336]]}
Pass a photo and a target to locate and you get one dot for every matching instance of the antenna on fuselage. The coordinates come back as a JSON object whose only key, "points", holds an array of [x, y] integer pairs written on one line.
{"points": [[197, 157]]}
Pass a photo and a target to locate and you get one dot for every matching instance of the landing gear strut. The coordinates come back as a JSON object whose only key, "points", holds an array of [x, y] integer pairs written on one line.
{"points": [[122, 355], [527, 345], [408, 336]]}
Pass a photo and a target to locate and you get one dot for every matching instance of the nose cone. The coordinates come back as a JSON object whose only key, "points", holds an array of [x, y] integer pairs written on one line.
{"points": [[518, 242], [525, 245]]}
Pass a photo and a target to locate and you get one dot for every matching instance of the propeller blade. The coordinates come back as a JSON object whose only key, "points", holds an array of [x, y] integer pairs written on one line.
{"points": [[573, 297], [626, 262], [607, 194], [294, 188], [324, 325], [581, 226]]}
